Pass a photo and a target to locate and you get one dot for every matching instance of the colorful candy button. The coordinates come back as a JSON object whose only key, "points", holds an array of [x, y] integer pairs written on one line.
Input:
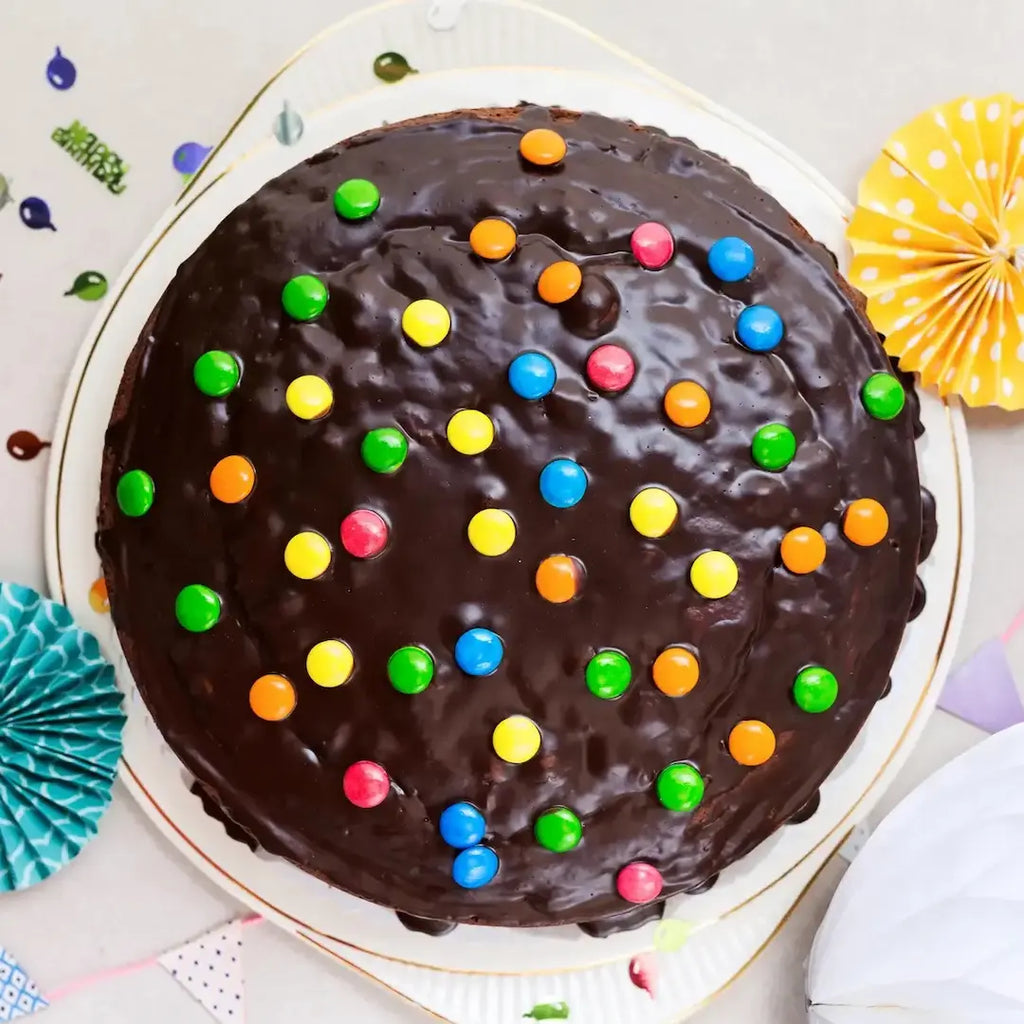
{"points": [[307, 555], [815, 689], [883, 396], [492, 531], [559, 578], [865, 522], [773, 447], [680, 787], [676, 671], [516, 739], [559, 282], [232, 479], [364, 533], [714, 574], [461, 825], [802, 550], [652, 245], [492, 238], [272, 698], [356, 199], [366, 784], [384, 449], [309, 397], [759, 328], [639, 882], [558, 830], [531, 375], [330, 663], [610, 368], [470, 432], [542, 147], [478, 652], [608, 674], [426, 323], [216, 373], [304, 297], [410, 669], [563, 483], [197, 608], [135, 493], [731, 259], [751, 742], [687, 404], [653, 512], [474, 867]]}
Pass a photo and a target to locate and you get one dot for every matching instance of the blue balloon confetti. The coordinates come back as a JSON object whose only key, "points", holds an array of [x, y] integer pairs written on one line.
{"points": [[35, 214], [189, 157], [60, 72]]}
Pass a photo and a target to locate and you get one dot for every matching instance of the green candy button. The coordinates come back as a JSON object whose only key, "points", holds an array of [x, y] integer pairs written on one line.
{"points": [[135, 492], [384, 449], [680, 787], [558, 830], [356, 198], [815, 689], [410, 669], [304, 297], [773, 446], [883, 396], [608, 674], [197, 608], [216, 373]]}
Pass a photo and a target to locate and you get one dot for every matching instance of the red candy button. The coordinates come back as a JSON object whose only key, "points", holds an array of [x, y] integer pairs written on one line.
{"points": [[366, 783], [652, 245], [610, 368], [639, 882], [364, 533]]}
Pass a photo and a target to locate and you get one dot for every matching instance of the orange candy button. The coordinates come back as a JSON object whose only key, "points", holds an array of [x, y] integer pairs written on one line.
{"points": [[687, 404], [676, 671], [272, 698], [232, 479], [559, 282], [542, 146], [866, 522], [751, 742], [559, 578], [803, 550], [492, 239]]}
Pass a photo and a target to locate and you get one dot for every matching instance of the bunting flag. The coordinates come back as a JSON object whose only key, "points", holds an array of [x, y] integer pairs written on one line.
{"points": [[210, 970], [982, 690], [19, 994]]}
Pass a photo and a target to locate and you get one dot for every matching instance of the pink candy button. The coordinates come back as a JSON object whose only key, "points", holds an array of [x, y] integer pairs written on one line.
{"points": [[610, 368], [639, 882], [366, 783], [364, 533], [652, 245]]}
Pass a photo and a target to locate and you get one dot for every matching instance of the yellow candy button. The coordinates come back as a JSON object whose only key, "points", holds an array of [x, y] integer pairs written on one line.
{"points": [[470, 432], [330, 663], [516, 739], [307, 555], [426, 323], [309, 397], [653, 512], [714, 574], [492, 531]]}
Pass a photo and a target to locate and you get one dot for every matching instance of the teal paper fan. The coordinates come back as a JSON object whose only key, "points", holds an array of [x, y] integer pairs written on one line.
{"points": [[60, 736]]}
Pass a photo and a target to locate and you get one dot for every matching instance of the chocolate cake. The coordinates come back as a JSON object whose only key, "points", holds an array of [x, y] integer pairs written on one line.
{"points": [[510, 517]]}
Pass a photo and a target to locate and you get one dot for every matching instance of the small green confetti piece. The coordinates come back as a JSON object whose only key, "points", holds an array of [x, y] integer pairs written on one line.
{"points": [[356, 199], [671, 935], [216, 373], [815, 689], [883, 396], [392, 67], [90, 285], [608, 674], [135, 493], [773, 446], [549, 1011], [410, 669], [197, 608], [304, 297]]}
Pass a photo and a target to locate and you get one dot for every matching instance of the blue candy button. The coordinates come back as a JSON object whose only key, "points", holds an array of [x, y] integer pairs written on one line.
{"points": [[475, 867], [462, 825], [478, 652], [562, 483], [731, 259], [531, 375], [759, 328]]}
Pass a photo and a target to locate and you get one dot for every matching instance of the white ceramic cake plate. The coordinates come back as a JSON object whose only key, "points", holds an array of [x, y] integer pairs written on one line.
{"points": [[337, 922]]}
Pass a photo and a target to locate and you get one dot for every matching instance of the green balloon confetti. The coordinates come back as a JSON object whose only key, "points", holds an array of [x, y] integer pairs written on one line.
{"points": [[392, 67], [672, 934], [90, 285], [549, 1011]]}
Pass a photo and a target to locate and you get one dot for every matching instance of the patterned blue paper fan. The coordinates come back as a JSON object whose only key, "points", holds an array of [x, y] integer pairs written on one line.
{"points": [[60, 736]]}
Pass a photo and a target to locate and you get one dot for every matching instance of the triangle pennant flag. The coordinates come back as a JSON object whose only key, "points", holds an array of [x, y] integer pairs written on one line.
{"points": [[210, 970], [19, 994], [982, 690]]}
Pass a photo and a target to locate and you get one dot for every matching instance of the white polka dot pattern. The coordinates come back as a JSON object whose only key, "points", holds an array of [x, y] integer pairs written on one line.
{"points": [[210, 970]]}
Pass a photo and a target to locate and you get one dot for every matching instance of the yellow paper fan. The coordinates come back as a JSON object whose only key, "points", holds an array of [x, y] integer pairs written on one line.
{"points": [[938, 243]]}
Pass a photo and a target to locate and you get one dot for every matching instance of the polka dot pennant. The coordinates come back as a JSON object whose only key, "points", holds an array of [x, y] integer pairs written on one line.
{"points": [[865, 522], [639, 882], [197, 608], [802, 550], [330, 663], [232, 479], [461, 825], [492, 239], [680, 787], [384, 449], [714, 574], [470, 432], [751, 742], [563, 483], [759, 328], [676, 671], [610, 368], [475, 867], [216, 373], [309, 397], [773, 447], [356, 199], [542, 147], [532, 375], [559, 578], [491, 532], [304, 297], [411, 669], [559, 282], [608, 674], [653, 512], [687, 404], [815, 689], [883, 396], [366, 784], [516, 739], [307, 555], [426, 323], [558, 829], [135, 493], [652, 245], [272, 698], [479, 651], [731, 259], [364, 533]]}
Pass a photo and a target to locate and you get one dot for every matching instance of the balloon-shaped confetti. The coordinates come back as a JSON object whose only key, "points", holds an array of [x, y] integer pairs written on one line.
{"points": [[90, 285]]}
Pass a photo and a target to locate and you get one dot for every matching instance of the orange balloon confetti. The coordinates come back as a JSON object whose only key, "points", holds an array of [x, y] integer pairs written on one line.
{"points": [[99, 599]]}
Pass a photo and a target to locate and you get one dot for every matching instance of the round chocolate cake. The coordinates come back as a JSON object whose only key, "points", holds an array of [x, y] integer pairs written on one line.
{"points": [[511, 517]]}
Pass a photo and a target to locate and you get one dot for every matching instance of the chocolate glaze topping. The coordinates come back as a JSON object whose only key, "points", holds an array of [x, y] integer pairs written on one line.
{"points": [[282, 781]]}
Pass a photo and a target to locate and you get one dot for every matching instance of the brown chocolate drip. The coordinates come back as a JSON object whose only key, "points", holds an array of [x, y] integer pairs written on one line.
{"points": [[708, 883], [626, 922], [929, 525], [808, 810], [887, 689], [24, 445], [917, 605], [426, 925], [213, 810]]}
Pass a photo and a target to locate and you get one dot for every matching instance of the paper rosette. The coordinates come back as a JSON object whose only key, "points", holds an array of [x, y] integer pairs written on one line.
{"points": [[60, 736], [938, 242]]}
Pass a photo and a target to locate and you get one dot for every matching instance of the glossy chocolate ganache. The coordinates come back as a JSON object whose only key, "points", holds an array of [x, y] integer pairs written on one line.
{"points": [[520, 572]]}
